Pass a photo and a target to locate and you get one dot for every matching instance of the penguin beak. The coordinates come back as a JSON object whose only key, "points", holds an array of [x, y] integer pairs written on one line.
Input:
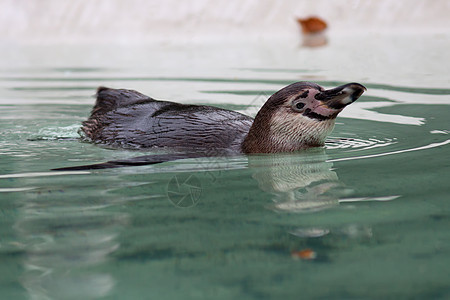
{"points": [[341, 96]]}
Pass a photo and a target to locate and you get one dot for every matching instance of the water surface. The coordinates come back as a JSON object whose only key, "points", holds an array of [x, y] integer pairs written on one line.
{"points": [[372, 206]]}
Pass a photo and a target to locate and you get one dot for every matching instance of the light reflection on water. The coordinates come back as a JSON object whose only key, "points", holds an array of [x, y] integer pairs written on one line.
{"points": [[54, 255], [358, 144], [81, 234]]}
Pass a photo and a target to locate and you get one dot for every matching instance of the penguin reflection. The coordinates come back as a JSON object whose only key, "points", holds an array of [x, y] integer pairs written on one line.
{"points": [[298, 183]]}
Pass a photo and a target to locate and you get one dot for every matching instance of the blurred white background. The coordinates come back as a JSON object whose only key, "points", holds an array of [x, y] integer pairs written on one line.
{"points": [[137, 21]]}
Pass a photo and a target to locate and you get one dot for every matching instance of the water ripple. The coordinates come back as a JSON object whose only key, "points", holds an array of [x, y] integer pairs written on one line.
{"points": [[429, 146], [358, 144], [57, 133]]}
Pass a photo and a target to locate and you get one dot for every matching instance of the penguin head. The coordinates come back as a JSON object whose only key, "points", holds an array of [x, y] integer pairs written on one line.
{"points": [[299, 116]]}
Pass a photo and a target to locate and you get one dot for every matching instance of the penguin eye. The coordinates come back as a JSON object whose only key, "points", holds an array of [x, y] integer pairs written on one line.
{"points": [[298, 106]]}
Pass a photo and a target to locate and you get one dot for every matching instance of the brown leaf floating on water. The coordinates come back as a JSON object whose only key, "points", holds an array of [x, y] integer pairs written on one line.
{"points": [[312, 25], [306, 254]]}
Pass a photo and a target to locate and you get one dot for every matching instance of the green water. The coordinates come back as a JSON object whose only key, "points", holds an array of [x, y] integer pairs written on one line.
{"points": [[373, 205]]}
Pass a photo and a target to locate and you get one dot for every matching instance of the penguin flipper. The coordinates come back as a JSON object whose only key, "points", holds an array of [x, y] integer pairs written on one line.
{"points": [[132, 162]]}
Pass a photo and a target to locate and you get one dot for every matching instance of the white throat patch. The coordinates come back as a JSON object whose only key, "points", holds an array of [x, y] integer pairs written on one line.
{"points": [[293, 131]]}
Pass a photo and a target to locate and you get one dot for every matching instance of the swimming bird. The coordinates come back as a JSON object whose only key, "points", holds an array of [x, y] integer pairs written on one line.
{"points": [[297, 117]]}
